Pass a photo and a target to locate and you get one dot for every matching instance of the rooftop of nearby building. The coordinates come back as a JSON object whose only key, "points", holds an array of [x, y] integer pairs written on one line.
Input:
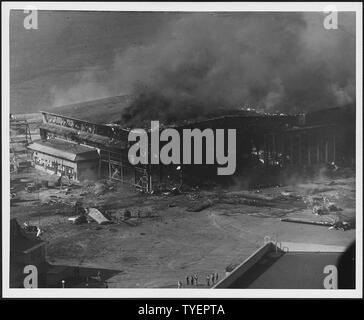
{"points": [[64, 149], [295, 267], [20, 240]]}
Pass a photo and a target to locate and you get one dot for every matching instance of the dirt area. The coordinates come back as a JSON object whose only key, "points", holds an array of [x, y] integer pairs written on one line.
{"points": [[170, 236]]}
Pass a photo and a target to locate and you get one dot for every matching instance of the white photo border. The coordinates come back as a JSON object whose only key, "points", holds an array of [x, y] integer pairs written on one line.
{"points": [[177, 7]]}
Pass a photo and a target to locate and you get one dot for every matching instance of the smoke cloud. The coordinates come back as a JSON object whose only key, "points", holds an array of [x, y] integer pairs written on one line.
{"points": [[203, 62]]}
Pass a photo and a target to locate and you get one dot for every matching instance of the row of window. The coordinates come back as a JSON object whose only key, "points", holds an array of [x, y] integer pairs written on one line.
{"points": [[55, 166]]}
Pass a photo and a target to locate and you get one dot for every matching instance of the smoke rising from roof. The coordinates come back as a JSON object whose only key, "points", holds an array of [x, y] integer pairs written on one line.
{"points": [[201, 62], [269, 60]]}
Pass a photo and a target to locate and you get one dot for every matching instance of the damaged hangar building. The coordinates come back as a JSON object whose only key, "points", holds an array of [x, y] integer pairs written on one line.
{"points": [[82, 150]]}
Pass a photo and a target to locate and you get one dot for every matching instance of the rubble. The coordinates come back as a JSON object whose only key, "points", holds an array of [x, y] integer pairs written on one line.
{"points": [[99, 188], [289, 196], [200, 206], [32, 229], [193, 196], [320, 210], [97, 216], [29, 228], [321, 205], [78, 219], [333, 207], [342, 225], [133, 213], [337, 225], [247, 202], [305, 221], [31, 187]]}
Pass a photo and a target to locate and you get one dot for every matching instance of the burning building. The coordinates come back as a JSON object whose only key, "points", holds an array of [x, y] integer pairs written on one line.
{"points": [[84, 149]]}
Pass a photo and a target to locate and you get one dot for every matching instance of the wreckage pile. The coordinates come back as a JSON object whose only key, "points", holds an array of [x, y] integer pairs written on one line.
{"points": [[321, 205]]}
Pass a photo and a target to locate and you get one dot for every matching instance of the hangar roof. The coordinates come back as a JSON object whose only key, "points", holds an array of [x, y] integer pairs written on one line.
{"points": [[65, 150]]}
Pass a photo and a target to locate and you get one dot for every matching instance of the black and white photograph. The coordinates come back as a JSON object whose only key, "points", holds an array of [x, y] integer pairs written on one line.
{"points": [[177, 149]]}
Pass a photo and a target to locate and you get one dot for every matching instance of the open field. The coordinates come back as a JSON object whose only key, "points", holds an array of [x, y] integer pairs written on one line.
{"points": [[166, 242]]}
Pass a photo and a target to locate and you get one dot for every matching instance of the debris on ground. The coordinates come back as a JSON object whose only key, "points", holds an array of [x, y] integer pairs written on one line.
{"points": [[29, 228], [321, 189], [78, 208], [176, 191], [200, 206], [320, 210], [99, 187], [31, 187], [333, 207], [67, 190], [247, 202], [44, 184], [97, 216], [165, 191], [321, 205], [172, 192], [337, 225], [126, 215], [305, 221], [289, 196], [342, 225], [286, 194], [193, 196], [32, 229], [78, 219], [132, 213]]}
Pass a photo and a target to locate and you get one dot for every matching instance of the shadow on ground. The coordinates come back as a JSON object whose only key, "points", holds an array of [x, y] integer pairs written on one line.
{"points": [[78, 277]]}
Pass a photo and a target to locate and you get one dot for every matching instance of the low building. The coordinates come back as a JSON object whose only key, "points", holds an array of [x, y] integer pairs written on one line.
{"points": [[266, 144], [287, 265], [56, 156]]}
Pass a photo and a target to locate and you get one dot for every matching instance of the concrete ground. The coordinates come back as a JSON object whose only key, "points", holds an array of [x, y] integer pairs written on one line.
{"points": [[167, 242]]}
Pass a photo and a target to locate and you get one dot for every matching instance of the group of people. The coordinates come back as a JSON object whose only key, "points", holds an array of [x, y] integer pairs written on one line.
{"points": [[192, 280], [212, 279]]}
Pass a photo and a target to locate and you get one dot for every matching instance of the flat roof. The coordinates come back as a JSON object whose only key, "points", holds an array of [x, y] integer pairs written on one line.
{"points": [[284, 265], [64, 149], [290, 270]]}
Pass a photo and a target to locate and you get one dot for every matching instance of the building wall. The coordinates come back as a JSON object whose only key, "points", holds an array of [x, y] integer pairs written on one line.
{"points": [[78, 171], [51, 164], [88, 170]]}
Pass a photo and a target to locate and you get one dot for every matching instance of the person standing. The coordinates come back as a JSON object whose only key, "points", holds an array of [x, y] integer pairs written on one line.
{"points": [[188, 280], [179, 284], [208, 280], [212, 278]]}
